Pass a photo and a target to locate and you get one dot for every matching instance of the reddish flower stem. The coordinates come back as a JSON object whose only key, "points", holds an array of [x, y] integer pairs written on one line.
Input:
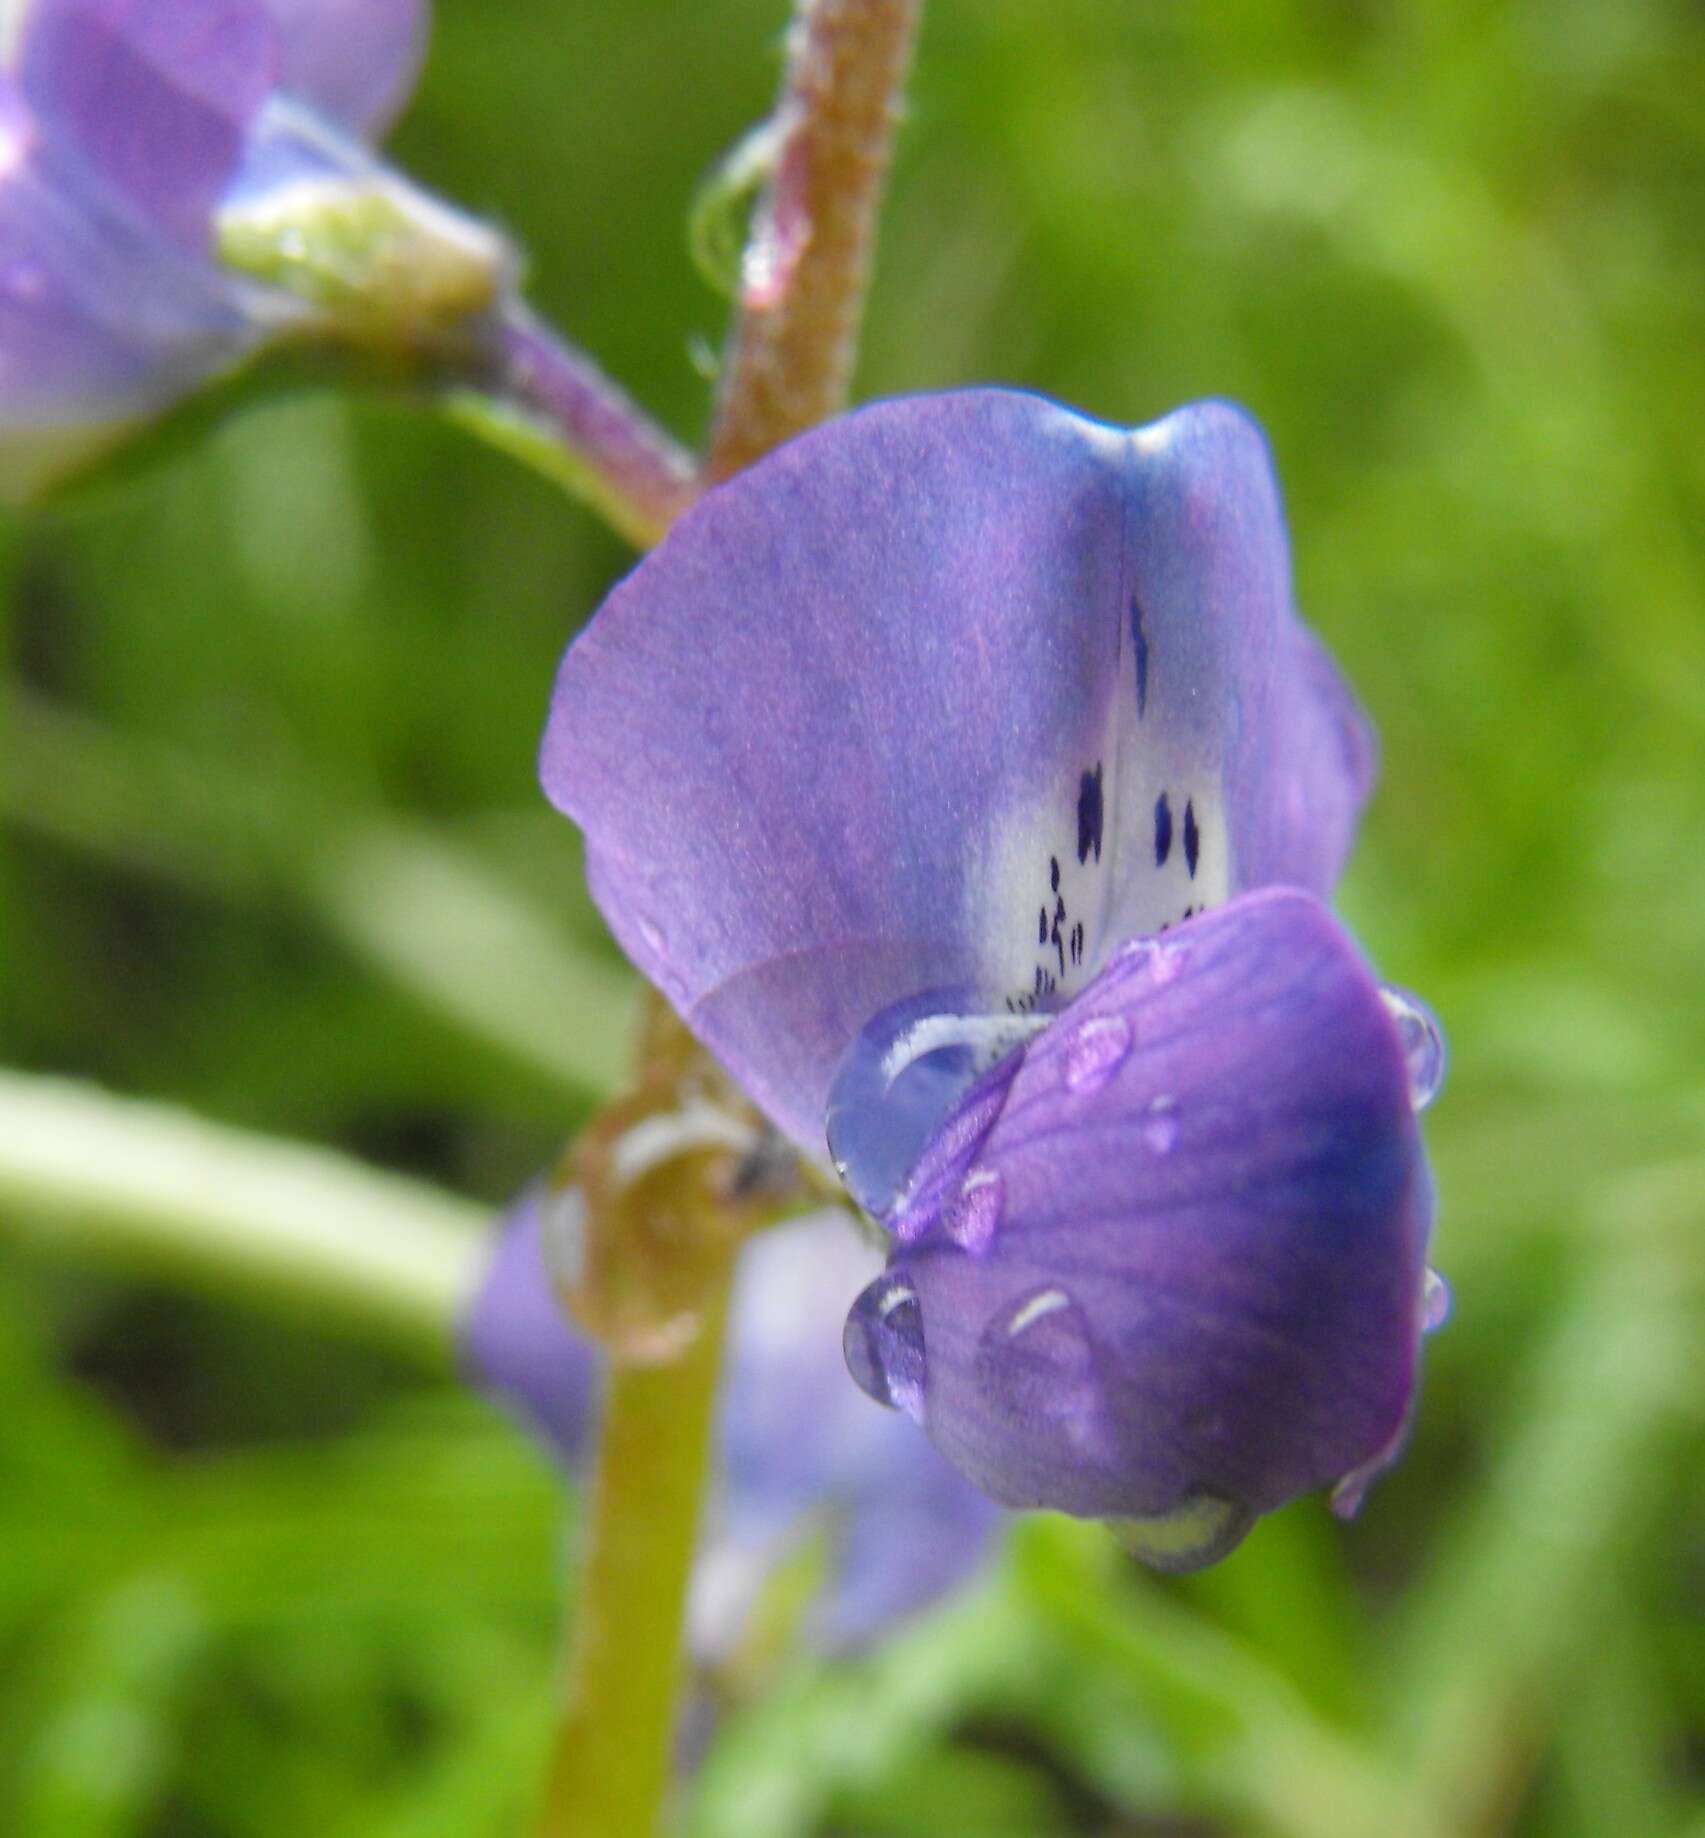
{"points": [[791, 353]]}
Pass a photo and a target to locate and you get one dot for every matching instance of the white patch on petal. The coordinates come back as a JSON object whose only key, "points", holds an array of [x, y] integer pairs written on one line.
{"points": [[1029, 894], [1049, 914]]}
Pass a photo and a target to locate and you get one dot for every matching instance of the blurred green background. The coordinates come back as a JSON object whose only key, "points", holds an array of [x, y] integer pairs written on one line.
{"points": [[273, 850]]}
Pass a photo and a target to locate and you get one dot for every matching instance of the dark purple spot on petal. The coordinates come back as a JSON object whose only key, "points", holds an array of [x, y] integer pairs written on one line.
{"points": [[1162, 830], [1192, 838], [1089, 815]]}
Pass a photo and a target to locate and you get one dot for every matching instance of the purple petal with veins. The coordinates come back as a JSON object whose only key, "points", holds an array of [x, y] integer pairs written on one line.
{"points": [[151, 100], [125, 126], [101, 319], [1205, 1287], [892, 711]]}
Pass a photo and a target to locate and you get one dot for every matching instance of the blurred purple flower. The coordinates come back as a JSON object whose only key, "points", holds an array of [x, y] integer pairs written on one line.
{"points": [[180, 182], [802, 1456], [884, 759]]}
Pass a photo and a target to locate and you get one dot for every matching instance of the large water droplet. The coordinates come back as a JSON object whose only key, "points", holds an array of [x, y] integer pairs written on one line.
{"points": [[905, 1072], [1435, 1302], [971, 1217], [883, 1343], [1096, 1050], [1423, 1043], [1201, 1529], [1038, 1362]]}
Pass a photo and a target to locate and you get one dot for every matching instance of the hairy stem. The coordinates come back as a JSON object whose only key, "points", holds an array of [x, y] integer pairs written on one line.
{"points": [[803, 282]]}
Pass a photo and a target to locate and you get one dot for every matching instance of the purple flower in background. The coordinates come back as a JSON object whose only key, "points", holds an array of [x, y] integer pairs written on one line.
{"points": [[802, 1455], [183, 182], [895, 763]]}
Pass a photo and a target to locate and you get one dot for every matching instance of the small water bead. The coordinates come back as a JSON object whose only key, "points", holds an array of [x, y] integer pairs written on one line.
{"points": [[1160, 1126], [905, 1072], [1165, 964], [1156, 958], [883, 1345], [1435, 1302], [1423, 1043], [972, 1216], [1096, 1050], [1346, 1498]]}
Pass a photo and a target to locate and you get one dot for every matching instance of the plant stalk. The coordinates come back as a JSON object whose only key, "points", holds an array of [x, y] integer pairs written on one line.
{"points": [[790, 362], [548, 405], [791, 353], [611, 1766], [235, 1215]]}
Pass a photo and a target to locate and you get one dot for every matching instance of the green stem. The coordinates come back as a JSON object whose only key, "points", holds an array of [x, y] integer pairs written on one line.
{"points": [[610, 1768], [791, 357], [151, 1189]]}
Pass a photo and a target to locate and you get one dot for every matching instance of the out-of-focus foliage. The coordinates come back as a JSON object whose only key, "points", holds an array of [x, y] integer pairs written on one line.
{"points": [[269, 726]]}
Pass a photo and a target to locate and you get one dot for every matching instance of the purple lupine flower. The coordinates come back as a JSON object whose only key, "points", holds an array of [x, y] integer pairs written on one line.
{"points": [[885, 759], [802, 1456], [183, 182]]}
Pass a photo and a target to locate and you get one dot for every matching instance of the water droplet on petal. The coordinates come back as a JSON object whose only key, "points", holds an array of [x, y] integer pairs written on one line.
{"points": [[1160, 1127], [971, 1216], [1423, 1043], [1038, 1362], [1096, 1050], [1165, 964], [652, 936], [1346, 1498], [1435, 1302], [883, 1343], [1201, 1529], [905, 1072]]}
